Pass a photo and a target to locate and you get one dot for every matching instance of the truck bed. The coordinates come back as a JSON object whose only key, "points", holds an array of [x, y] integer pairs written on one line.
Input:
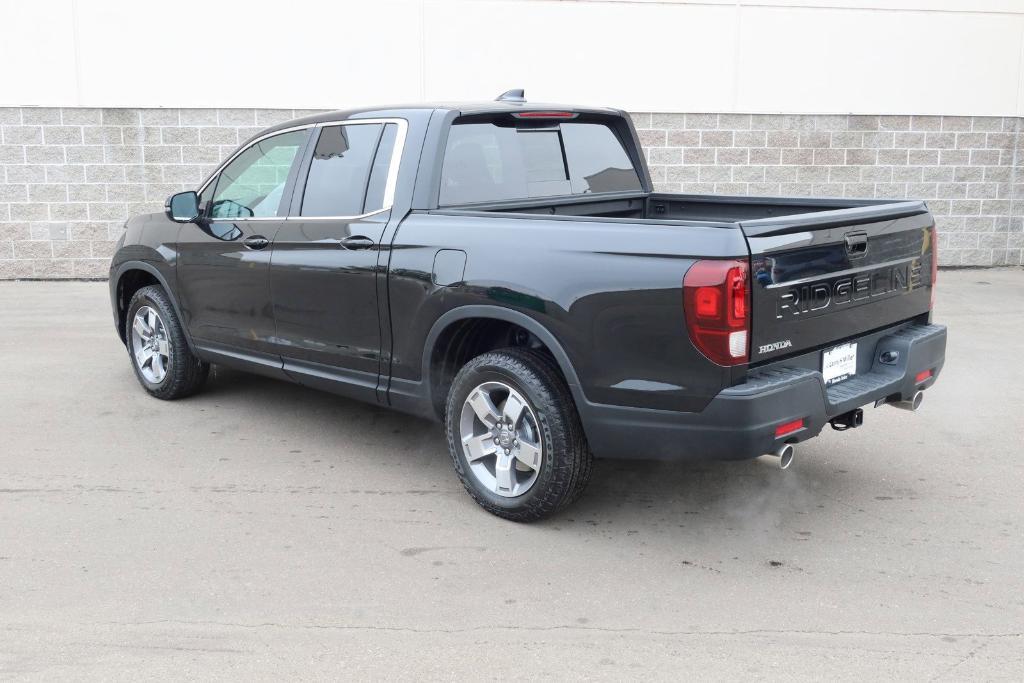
{"points": [[822, 269], [685, 208]]}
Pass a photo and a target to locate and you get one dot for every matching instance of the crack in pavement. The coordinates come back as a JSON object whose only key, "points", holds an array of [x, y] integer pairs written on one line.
{"points": [[970, 655], [569, 627]]}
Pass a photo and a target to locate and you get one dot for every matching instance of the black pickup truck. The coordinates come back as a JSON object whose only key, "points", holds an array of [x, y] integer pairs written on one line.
{"points": [[507, 269]]}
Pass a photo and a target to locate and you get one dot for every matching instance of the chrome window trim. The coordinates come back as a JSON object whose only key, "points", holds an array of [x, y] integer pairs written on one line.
{"points": [[248, 219], [389, 187], [339, 218]]}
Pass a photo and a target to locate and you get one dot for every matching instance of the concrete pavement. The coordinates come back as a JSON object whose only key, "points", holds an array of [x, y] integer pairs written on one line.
{"points": [[261, 531]]}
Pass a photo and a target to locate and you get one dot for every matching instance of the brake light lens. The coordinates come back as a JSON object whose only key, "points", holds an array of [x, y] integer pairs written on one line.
{"points": [[545, 115], [708, 302], [716, 304], [935, 261]]}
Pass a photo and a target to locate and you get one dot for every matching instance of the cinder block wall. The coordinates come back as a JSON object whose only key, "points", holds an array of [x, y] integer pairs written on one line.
{"points": [[968, 169], [70, 177]]}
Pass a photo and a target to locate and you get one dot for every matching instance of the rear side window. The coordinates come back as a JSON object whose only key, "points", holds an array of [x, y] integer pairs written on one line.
{"points": [[348, 173], [492, 162], [379, 172]]}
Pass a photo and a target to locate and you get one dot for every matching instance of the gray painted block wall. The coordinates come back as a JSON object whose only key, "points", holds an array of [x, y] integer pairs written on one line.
{"points": [[70, 177]]}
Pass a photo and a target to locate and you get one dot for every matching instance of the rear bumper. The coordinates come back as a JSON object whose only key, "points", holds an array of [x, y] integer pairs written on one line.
{"points": [[740, 422]]}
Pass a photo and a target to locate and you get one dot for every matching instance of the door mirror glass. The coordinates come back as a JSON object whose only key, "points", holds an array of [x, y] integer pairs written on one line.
{"points": [[183, 207]]}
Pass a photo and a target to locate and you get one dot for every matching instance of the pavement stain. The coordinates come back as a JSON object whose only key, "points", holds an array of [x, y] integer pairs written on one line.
{"points": [[413, 552], [697, 565]]}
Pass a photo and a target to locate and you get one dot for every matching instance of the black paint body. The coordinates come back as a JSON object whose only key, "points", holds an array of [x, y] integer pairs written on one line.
{"points": [[595, 279]]}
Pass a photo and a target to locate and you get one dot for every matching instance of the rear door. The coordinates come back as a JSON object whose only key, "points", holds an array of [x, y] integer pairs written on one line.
{"points": [[325, 266], [826, 277]]}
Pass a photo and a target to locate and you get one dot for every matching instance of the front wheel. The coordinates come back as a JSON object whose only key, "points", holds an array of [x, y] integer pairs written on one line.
{"points": [[163, 362], [514, 435]]}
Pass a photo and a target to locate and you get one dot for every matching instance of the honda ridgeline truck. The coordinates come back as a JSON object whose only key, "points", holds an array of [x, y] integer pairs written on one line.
{"points": [[507, 269]]}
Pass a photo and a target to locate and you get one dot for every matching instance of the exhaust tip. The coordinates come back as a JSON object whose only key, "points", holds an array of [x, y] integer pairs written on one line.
{"points": [[912, 404], [785, 454]]}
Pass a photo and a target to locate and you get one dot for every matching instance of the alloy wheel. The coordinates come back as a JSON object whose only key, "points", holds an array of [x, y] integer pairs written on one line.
{"points": [[149, 344], [501, 439]]}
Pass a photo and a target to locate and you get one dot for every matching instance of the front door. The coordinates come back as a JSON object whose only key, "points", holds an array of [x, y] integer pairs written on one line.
{"points": [[325, 268], [224, 258]]}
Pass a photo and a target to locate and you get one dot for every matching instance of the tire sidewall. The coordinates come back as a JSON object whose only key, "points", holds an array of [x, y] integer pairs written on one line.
{"points": [[552, 442]]}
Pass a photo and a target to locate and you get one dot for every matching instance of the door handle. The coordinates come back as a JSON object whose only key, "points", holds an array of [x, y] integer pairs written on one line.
{"points": [[357, 242], [256, 242], [856, 243]]}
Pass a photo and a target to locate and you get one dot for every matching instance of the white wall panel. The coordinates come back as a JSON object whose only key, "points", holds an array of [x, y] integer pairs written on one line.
{"points": [[812, 60], [639, 56], [1006, 6], [37, 52], [822, 56], [260, 54]]}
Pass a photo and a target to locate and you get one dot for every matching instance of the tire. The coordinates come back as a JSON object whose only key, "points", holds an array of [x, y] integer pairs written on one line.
{"points": [[548, 421], [182, 374]]}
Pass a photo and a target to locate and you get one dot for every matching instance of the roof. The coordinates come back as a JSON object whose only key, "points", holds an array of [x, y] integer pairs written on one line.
{"points": [[483, 107]]}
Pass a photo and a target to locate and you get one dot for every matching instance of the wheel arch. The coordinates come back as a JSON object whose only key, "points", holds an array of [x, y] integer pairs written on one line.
{"points": [[496, 313], [120, 301]]}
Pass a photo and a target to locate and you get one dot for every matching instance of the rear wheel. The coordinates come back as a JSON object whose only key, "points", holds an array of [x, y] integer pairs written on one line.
{"points": [[163, 362], [514, 435]]}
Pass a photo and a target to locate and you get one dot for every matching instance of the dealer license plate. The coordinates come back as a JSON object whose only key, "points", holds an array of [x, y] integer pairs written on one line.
{"points": [[839, 363]]}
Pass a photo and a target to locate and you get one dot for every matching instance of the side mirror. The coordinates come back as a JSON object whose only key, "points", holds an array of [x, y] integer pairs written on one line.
{"points": [[182, 207]]}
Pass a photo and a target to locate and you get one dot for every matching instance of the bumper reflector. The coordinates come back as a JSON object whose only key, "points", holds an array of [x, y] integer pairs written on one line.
{"points": [[922, 376], [789, 427]]}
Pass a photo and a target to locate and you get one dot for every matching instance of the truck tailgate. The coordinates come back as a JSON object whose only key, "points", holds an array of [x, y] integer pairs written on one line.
{"points": [[824, 277]]}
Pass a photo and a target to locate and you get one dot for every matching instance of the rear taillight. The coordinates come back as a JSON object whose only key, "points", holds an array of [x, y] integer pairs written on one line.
{"points": [[934, 236], [716, 303]]}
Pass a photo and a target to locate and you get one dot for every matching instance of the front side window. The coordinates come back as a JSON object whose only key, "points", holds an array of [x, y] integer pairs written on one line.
{"points": [[252, 185], [493, 161], [348, 173]]}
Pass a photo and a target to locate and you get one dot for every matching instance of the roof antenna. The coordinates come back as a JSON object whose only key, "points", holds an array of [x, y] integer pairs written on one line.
{"points": [[517, 95]]}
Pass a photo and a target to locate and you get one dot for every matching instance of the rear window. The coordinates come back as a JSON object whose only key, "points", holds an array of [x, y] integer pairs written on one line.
{"points": [[492, 161]]}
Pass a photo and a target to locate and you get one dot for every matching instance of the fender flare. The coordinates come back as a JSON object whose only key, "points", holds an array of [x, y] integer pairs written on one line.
{"points": [[508, 315], [155, 272]]}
